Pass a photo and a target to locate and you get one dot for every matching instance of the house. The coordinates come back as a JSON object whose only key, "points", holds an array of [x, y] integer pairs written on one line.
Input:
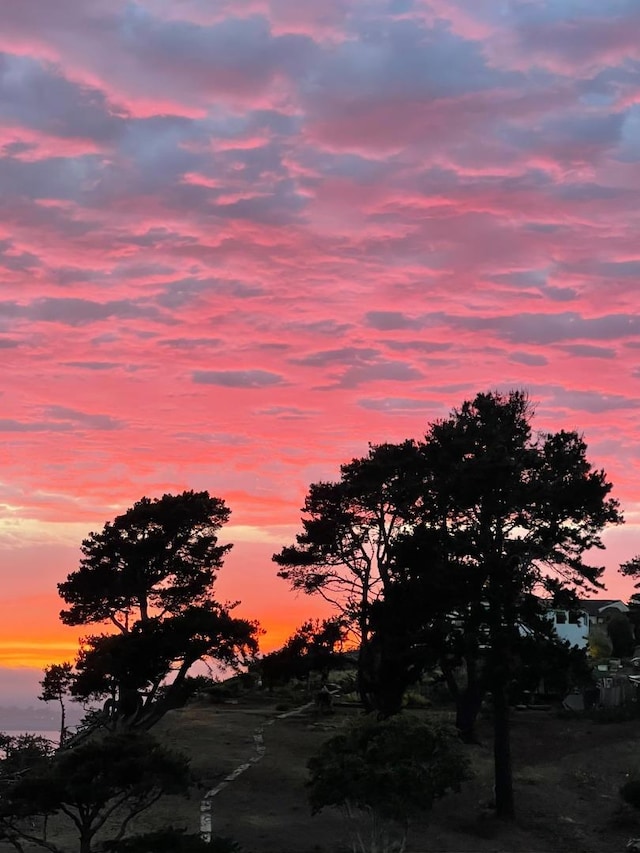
{"points": [[575, 626]]}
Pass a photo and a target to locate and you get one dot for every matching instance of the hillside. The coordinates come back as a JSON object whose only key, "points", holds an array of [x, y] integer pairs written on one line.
{"points": [[567, 776], [567, 772]]}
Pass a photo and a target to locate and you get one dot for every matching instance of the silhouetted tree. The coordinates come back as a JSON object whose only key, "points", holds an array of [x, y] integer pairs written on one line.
{"points": [[632, 569], [511, 515], [114, 778], [21, 752], [56, 684], [620, 631], [150, 573], [314, 647], [349, 528]]}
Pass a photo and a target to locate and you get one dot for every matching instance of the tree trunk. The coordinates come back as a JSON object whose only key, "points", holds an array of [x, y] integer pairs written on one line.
{"points": [[363, 677], [505, 808], [62, 722], [468, 700], [468, 704], [501, 624], [85, 840]]}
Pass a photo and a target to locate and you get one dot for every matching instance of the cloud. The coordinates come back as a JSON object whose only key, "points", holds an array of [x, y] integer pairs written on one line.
{"points": [[387, 321], [237, 378], [83, 419], [591, 401], [539, 328], [39, 96], [175, 294], [529, 358], [11, 425], [589, 351], [421, 346], [344, 355], [378, 371], [360, 212], [395, 404], [73, 311], [289, 413], [93, 365], [190, 343]]}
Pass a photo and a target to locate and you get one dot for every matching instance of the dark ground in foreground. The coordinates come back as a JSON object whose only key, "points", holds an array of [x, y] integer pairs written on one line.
{"points": [[567, 775]]}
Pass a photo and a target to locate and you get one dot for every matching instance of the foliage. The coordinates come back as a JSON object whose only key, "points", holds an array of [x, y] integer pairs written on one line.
{"points": [[314, 647], [559, 665], [56, 684], [149, 573], [161, 554], [393, 769], [19, 754], [192, 687], [349, 527], [442, 550], [620, 631], [506, 518], [22, 752], [630, 793], [111, 778], [171, 841], [632, 569], [615, 714], [600, 645]]}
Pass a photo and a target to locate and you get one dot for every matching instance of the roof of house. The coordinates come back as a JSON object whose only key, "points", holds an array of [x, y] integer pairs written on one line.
{"points": [[596, 606]]}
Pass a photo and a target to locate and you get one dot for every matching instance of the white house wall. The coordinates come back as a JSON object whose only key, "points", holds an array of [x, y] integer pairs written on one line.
{"points": [[577, 634]]}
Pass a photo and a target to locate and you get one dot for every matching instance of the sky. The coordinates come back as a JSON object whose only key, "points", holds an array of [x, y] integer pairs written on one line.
{"points": [[240, 239]]}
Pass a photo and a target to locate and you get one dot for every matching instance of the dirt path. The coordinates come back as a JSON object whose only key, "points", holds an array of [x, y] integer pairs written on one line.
{"points": [[206, 818]]}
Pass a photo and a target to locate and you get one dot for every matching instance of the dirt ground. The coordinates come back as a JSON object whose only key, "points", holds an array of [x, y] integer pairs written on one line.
{"points": [[567, 775]]}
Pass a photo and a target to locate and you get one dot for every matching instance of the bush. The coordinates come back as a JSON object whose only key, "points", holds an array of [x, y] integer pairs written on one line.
{"points": [[390, 771], [171, 841], [617, 714], [600, 646], [620, 632], [217, 694], [415, 699], [191, 686], [630, 793]]}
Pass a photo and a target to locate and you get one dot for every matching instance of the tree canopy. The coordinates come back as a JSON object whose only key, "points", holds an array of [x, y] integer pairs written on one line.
{"points": [[343, 553], [112, 778], [56, 684], [446, 548], [313, 647], [160, 556], [150, 574], [509, 517]]}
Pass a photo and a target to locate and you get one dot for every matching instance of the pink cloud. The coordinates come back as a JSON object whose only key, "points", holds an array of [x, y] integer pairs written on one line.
{"points": [[230, 267]]}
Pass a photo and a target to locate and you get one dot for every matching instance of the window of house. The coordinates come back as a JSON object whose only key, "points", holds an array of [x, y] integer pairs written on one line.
{"points": [[574, 618], [561, 617]]}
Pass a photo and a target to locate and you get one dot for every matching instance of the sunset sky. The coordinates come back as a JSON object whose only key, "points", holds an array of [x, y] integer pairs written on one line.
{"points": [[239, 239]]}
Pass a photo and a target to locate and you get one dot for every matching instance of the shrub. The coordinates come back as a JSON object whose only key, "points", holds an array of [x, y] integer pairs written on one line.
{"points": [[600, 646], [171, 841], [389, 771], [630, 793], [415, 699]]}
